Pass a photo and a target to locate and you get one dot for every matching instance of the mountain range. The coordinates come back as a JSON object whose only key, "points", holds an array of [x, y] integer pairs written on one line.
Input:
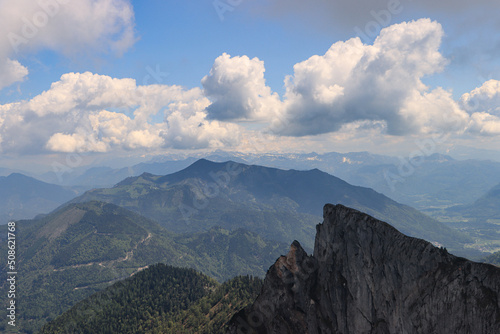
{"points": [[222, 219], [485, 208], [278, 204], [423, 179], [428, 181], [98, 177], [23, 197]]}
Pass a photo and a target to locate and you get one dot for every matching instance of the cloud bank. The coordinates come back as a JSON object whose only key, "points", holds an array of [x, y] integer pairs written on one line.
{"points": [[380, 82], [369, 86], [85, 112], [354, 88]]}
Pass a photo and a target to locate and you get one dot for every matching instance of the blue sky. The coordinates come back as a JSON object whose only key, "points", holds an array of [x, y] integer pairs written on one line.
{"points": [[183, 38], [129, 78]]}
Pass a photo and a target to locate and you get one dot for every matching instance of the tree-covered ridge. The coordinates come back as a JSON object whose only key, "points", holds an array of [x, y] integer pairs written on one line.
{"points": [[83, 248], [80, 234], [160, 299], [135, 304], [210, 314], [281, 205], [72, 253], [226, 254]]}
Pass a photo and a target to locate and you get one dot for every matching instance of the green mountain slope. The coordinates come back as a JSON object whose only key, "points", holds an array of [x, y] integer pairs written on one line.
{"points": [[210, 314], [160, 299], [226, 254], [429, 182], [83, 248], [137, 304], [278, 204]]}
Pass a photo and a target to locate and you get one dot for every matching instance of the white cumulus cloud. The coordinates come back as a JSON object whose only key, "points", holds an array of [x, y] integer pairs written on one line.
{"points": [[238, 90], [484, 124], [67, 27], [381, 82], [11, 71], [85, 112], [485, 98], [354, 86], [483, 104], [353, 89]]}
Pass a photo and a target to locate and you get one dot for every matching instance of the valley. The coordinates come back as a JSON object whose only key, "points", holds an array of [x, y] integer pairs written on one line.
{"points": [[81, 249], [223, 219]]}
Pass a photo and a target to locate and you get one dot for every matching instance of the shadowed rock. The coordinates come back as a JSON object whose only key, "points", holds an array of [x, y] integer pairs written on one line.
{"points": [[366, 277]]}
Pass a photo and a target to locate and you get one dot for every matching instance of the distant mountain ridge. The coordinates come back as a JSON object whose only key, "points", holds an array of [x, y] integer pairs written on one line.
{"points": [[96, 177], [427, 180], [23, 197], [278, 204], [484, 208]]}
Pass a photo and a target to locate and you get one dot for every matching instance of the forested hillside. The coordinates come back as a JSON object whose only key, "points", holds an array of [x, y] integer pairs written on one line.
{"points": [[84, 248], [160, 299]]}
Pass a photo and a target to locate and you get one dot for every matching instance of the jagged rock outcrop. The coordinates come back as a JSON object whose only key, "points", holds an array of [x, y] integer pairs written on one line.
{"points": [[366, 277]]}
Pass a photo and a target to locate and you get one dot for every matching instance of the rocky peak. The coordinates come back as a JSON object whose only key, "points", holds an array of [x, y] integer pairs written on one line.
{"points": [[366, 277]]}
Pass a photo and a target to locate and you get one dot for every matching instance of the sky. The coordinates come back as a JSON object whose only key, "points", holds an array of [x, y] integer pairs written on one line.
{"points": [[83, 82]]}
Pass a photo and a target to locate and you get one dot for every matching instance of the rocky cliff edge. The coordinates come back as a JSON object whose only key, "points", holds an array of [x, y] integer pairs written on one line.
{"points": [[366, 277]]}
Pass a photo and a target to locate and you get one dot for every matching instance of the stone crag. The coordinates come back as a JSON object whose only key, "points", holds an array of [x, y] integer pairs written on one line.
{"points": [[366, 277]]}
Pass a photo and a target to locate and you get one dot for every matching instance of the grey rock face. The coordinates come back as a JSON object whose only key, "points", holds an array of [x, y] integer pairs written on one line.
{"points": [[366, 277]]}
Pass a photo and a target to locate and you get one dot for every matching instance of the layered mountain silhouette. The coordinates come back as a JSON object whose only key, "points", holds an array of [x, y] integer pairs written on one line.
{"points": [[23, 197], [97, 177], [223, 219], [486, 207], [366, 277], [278, 204], [430, 180]]}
